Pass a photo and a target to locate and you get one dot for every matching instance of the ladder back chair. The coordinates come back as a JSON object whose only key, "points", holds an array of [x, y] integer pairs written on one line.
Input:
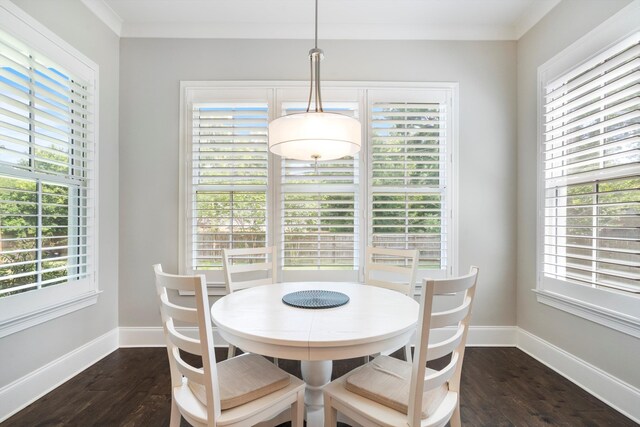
{"points": [[393, 269], [392, 392], [238, 392], [249, 263]]}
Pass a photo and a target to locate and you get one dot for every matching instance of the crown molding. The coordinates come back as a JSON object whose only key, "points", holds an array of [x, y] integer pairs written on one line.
{"points": [[235, 30], [107, 15], [301, 31]]}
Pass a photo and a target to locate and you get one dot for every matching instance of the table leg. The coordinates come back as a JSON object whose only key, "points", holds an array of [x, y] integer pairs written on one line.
{"points": [[316, 374]]}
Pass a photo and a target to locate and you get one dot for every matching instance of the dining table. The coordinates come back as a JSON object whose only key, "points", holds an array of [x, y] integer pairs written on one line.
{"points": [[373, 320]]}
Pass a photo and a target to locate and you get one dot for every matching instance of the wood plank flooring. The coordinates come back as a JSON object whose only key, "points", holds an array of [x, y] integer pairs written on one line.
{"points": [[500, 387]]}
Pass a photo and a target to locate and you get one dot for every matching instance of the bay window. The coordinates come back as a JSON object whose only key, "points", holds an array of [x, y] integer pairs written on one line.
{"points": [[397, 192]]}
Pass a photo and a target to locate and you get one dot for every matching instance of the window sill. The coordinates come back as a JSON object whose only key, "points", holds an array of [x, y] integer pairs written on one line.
{"points": [[46, 313], [622, 322]]}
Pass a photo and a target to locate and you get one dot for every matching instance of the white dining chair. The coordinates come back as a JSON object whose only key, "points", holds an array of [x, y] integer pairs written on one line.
{"points": [[257, 266], [392, 392], [249, 267], [237, 392], [393, 269]]}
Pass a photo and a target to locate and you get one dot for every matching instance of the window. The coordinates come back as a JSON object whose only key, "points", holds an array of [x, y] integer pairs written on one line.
{"points": [[589, 250], [47, 180], [319, 205], [408, 166], [229, 166], [398, 191]]}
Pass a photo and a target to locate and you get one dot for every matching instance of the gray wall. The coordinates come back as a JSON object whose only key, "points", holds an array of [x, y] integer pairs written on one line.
{"points": [[26, 351], [612, 351], [150, 73]]}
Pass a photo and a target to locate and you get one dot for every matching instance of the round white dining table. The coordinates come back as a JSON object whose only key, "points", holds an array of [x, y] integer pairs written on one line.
{"points": [[374, 320]]}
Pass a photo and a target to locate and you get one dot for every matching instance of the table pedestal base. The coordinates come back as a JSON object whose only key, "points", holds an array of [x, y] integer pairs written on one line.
{"points": [[316, 374]]}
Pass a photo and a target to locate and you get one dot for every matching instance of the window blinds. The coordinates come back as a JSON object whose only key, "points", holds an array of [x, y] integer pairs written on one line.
{"points": [[46, 171], [591, 171], [229, 179], [320, 227], [408, 179], [395, 193]]}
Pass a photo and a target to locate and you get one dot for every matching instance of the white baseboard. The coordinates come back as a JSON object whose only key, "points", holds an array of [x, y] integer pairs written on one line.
{"points": [[141, 337], [492, 336], [153, 336], [479, 336], [24, 391], [611, 390]]}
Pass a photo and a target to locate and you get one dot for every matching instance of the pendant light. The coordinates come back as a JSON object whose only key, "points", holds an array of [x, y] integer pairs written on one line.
{"points": [[314, 135]]}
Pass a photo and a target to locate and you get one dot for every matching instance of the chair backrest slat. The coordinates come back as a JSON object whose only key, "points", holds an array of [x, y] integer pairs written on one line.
{"points": [[246, 268], [454, 345], [391, 268], [451, 317], [451, 286], [381, 260], [177, 283], [183, 342], [178, 312], [252, 283], [399, 287], [442, 348], [440, 377], [192, 374], [262, 260]]}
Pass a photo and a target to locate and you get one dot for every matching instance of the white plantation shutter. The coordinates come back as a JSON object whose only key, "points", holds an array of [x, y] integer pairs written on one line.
{"points": [[591, 171], [408, 176], [229, 180], [319, 219], [396, 192], [47, 168]]}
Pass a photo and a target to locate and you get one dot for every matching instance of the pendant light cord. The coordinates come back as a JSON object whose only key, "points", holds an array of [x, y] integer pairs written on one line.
{"points": [[310, 83], [315, 55]]}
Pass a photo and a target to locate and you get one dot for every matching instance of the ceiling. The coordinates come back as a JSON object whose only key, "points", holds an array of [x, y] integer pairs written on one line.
{"points": [[338, 19]]}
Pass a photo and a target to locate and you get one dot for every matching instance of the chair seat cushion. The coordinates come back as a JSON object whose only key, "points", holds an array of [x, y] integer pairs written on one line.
{"points": [[243, 379], [386, 380]]}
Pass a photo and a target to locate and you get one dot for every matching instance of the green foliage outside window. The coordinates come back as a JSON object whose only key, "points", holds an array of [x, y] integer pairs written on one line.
{"points": [[227, 220], [20, 249], [602, 226]]}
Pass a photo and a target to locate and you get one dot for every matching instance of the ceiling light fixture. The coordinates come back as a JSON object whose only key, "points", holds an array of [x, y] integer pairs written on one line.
{"points": [[315, 134]]}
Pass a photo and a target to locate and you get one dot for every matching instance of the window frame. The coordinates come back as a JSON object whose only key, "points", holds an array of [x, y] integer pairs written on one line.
{"points": [[201, 91], [413, 95], [613, 308], [241, 96], [24, 310], [331, 93]]}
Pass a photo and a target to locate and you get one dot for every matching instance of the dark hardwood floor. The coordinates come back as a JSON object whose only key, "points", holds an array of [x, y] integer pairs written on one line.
{"points": [[500, 387]]}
